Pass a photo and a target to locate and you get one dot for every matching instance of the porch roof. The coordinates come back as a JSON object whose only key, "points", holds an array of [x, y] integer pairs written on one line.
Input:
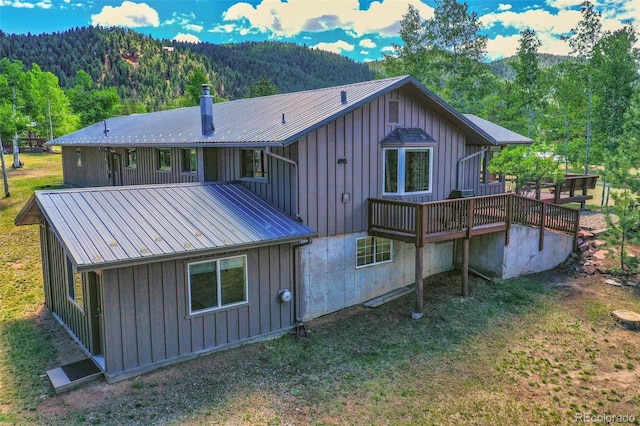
{"points": [[102, 228]]}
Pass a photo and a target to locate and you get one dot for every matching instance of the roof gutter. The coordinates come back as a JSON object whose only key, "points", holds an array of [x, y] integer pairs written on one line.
{"points": [[267, 151]]}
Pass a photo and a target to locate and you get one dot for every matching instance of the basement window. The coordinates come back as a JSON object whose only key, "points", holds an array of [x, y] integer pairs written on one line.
{"points": [[216, 284], [164, 159], [253, 163], [373, 250], [75, 291]]}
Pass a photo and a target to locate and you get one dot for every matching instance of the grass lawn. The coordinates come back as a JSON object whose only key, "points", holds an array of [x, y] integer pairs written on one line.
{"points": [[540, 349]]}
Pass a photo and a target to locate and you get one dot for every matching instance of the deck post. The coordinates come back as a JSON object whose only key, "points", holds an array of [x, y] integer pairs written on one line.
{"points": [[543, 217], [465, 267], [509, 218], [419, 307], [419, 284]]}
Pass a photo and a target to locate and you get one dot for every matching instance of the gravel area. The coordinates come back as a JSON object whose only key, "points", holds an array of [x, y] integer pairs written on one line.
{"points": [[593, 220]]}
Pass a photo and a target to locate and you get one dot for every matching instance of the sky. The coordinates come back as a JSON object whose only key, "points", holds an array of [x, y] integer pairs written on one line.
{"points": [[363, 30]]}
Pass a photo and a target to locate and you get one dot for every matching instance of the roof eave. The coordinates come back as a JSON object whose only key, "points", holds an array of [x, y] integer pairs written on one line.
{"points": [[191, 254]]}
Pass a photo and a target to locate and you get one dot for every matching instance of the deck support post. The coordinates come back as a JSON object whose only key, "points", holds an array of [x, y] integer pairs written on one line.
{"points": [[419, 307], [465, 267]]}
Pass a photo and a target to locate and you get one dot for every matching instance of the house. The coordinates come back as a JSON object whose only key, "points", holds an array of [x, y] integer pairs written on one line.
{"points": [[201, 228]]}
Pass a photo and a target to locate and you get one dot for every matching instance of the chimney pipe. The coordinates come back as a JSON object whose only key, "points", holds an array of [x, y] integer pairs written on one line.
{"points": [[343, 96], [206, 110]]}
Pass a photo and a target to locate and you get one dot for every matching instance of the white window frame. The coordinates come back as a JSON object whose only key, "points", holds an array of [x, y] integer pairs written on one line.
{"points": [[402, 151], [71, 286], [219, 288], [374, 245]]}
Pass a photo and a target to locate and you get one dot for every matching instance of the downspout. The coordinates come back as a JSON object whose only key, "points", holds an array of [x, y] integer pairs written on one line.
{"points": [[267, 151], [459, 175], [296, 283]]}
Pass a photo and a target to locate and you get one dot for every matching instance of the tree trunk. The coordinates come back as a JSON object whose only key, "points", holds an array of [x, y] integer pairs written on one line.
{"points": [[5, 176], [16, 153]]}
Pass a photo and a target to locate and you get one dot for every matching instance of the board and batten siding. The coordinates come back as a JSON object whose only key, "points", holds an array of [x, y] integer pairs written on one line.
{"points": [[94, 171], [54, 269], [146, 315], [279, 187], [356, 137], [470, 170]]}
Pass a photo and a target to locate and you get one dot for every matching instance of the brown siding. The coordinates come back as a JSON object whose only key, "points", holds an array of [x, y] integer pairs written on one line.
{"points": [[357, 137], [146, 313], [55, 282], [94, 167]]}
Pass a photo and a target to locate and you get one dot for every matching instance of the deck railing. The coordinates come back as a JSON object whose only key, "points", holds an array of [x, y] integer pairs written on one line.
{"points": [[421, 221]]}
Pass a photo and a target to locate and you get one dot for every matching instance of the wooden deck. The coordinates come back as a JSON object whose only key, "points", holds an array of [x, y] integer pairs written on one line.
{"points": [[423, 223], [574, 189]]}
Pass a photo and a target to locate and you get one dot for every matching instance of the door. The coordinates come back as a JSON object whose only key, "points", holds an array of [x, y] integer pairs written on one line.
{"points": [[114, 169], [95, 314]]}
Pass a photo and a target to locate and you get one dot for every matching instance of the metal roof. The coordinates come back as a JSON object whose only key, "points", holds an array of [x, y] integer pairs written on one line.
{"points": [[501, 135], [111, 227], [269, 120], [401, 135]]}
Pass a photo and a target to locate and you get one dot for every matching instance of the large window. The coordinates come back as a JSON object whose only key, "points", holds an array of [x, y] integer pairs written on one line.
{"points": [[164, 159], [217, 283], [407, 170], [373, 250], [75, 291], [254, 163], [189, 160], [132, 158]]}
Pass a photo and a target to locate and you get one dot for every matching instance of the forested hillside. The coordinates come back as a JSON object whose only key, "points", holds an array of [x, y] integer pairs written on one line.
{"points": [[504, 67], [156, 72]]}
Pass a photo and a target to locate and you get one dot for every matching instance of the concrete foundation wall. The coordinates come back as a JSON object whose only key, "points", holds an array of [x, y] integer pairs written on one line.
{"points": [[330, 280], [488, 254]]}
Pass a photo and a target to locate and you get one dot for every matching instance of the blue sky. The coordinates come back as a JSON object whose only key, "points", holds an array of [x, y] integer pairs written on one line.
{"points": [[360, 29]]}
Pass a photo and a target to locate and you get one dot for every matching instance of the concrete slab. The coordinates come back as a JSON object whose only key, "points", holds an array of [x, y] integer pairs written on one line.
{"points": [[73, 375]]}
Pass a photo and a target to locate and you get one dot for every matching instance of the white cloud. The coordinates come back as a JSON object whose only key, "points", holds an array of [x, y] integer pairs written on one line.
{"points": [[368, 43], [387, 49], [564, 4], [285, 19], [17, 4], [364, 52], [502, 47], [541, 21], [335, 47], [180, 18], [128, 14], [503, 7], [193, 27], [187, 38]]}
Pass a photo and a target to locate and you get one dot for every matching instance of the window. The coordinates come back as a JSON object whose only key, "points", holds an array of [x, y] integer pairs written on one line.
{"points": [[407, 170], [254, 163], [78, 157], [485, 160], [164, 159], [189, 160], [373, 250], [217, 283], [74, 286], [132, 158]]}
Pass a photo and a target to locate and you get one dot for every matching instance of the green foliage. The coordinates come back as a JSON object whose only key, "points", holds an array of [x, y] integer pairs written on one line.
{"points": [[527, 164], [263, 87], [151, 75], [90, 103], [625, 227]]}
